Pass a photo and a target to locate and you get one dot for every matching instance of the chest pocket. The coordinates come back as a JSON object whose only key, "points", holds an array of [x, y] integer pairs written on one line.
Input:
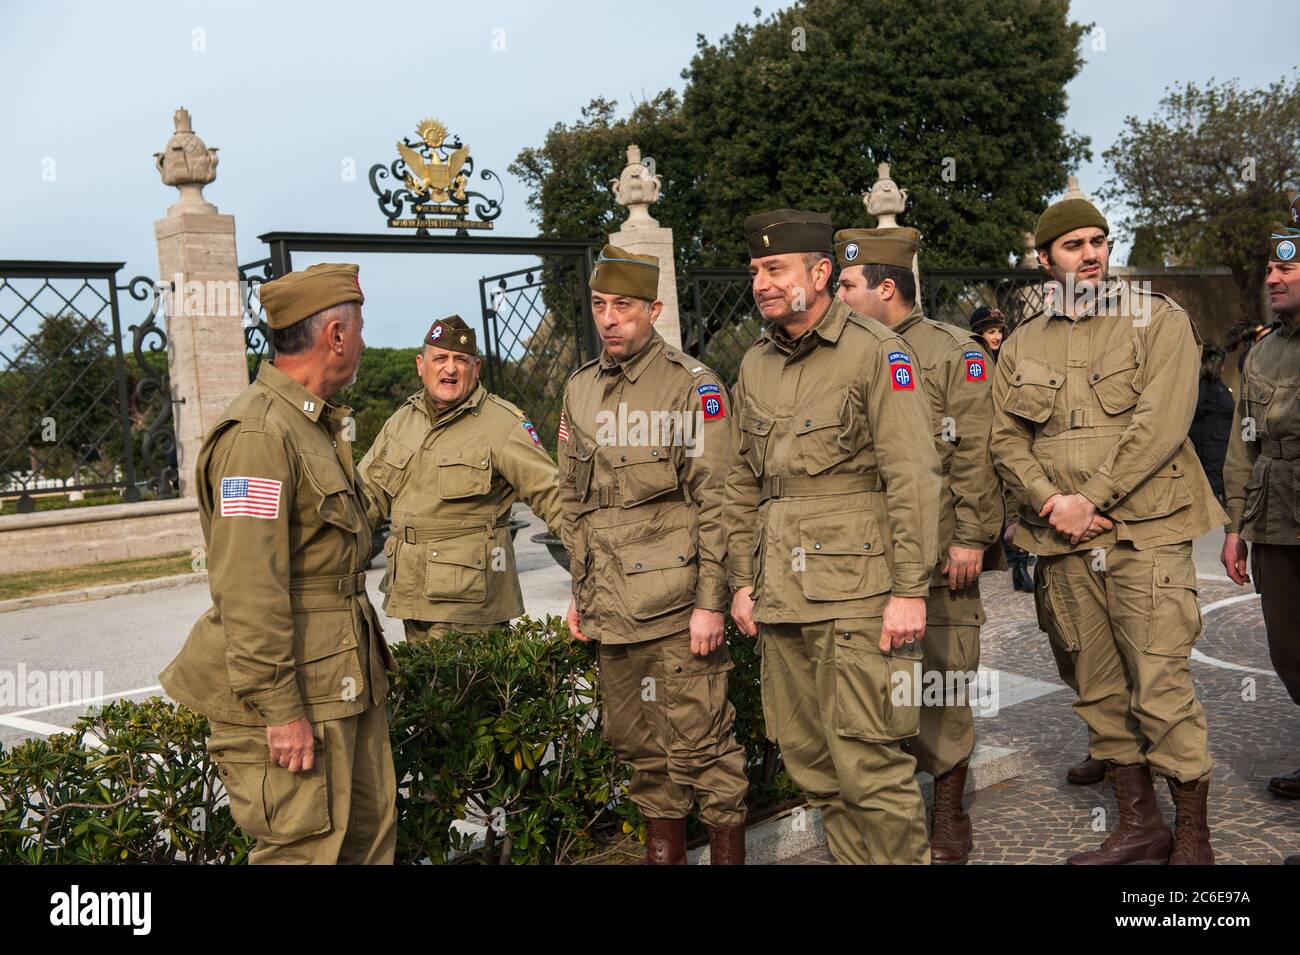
{"points": [[329, 492], [388, 469], [754, 431], [576, 455], [1114, 379], [643, 473], [1032, 394], [822, 432], [464, 473], [1259, 399]]}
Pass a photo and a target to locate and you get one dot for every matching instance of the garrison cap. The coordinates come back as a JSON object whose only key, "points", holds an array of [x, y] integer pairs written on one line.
{"points": [[619, 272], [298, 295], [452, 334], [876, 247], [1066, 216], [782, 231]]}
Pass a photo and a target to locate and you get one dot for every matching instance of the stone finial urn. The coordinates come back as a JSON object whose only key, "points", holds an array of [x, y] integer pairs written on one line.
{"points": [[885, 200], [636, 188], [187, 163]]}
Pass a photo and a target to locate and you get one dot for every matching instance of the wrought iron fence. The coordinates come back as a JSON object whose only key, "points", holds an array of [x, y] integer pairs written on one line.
{"points": [[257, 334], [74, 414]]}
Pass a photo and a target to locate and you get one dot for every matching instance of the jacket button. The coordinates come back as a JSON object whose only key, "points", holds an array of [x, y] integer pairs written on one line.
{"points": [[867, 546], [637, 565], [1052, 381], [622, 457], [808, 423], [1166, 580], [433, 553], [678, 670], [817, 546], [1096, 377], [1175, 467], [219, 753], [1017, 379], [681, 558], [483, 464], [847, 636]]}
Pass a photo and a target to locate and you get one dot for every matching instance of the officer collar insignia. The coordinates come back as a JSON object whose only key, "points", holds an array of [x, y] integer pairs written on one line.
{"points": [[309, 406]]}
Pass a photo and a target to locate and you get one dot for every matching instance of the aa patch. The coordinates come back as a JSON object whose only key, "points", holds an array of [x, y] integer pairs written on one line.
{"points": [[532, 432], [902, 378], [712, 403], [976, 370], [250, 497]]}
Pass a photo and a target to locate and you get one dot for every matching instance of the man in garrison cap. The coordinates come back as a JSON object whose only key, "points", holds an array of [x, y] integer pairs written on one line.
{"points": [[876, 280], [446, 468], [1260, 475], [289, 664], [643, 449], [832, 529], [1093, 397]]}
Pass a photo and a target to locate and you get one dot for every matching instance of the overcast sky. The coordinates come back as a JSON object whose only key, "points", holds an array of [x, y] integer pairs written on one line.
{"points": [[290, 91]]}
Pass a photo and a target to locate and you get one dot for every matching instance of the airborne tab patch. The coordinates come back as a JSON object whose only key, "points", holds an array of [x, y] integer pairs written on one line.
{"points": [[902, 378]]}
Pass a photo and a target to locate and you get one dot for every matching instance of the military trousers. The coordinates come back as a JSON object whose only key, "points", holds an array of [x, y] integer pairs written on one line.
{"points": [[828, 701], [422, 631], [1277, 579], [950, 656], [343, 810], [665, 711], [1122, 623]]}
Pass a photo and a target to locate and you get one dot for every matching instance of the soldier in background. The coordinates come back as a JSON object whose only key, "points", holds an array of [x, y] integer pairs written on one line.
{"points": [[446, 468], [876, 280], [289, 664], [1213, 419], [643, 449], [989, 327], [832, 509]]}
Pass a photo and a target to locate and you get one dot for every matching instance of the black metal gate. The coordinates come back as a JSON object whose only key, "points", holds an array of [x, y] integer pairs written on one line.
{"points": [[74, 414]]}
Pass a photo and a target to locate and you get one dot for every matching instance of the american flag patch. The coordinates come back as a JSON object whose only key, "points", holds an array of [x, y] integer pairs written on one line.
{"points": [[250, 497], [564, 428]]}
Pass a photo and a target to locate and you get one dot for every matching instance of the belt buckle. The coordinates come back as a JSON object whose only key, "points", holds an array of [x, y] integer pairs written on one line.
{"points": [[774, 486], [605, 496], [408, 535], [1078, 418]]}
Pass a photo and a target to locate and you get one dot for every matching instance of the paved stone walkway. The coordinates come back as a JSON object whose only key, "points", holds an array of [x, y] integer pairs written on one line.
{"points": [[1038, 817]]}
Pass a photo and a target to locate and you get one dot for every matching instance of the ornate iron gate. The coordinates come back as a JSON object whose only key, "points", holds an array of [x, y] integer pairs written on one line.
{"points": [[74, 415]]}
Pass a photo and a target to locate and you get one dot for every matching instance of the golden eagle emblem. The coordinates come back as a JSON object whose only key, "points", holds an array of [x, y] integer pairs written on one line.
{"points": [[441, 179]]}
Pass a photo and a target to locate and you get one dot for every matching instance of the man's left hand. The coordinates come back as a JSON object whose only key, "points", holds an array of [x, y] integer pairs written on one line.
{"points": [[706, 631], [1070, 515], [963, 566]]}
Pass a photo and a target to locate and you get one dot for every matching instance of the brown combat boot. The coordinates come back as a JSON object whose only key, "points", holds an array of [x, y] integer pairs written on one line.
{"points": [[950, 835], [727, 845], [1141, 838], [1191, 822], [665, 841], [1087, 772]]}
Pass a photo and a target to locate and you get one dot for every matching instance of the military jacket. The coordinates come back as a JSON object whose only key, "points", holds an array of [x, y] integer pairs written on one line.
{"points": [[832, 501], [1262, 472], [291, 631], [447, 481], [643, 452], [1100, 405]]}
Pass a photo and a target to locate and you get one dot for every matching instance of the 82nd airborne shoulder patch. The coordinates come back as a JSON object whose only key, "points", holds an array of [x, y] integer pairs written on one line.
{"points": [[532, 432], [976, 370], [711, 401], [901, 376]]}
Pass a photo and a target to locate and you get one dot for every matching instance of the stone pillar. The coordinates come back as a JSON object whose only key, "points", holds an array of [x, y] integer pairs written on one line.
{"points": [[636, 188], [204, 305], [885, 201]]}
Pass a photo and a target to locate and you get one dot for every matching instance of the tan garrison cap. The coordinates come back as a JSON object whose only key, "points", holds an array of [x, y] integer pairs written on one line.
{"points": [[298, 295], [876, 247], [782, 231], [619, 272], [452, 334]]}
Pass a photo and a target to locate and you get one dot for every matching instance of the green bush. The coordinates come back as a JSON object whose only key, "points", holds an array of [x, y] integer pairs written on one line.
{"points": [[502, 726]]}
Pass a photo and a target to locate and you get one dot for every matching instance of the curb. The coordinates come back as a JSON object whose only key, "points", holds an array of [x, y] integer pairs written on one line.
{"points": [[99, 593], [800, 829]]}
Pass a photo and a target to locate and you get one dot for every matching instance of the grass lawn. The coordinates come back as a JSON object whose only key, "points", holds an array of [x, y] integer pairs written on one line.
{"points": [[29, 583]]}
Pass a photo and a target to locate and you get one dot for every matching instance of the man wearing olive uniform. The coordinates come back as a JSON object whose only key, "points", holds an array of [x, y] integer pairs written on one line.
{"points": [[876, 280], [1093, 398], [1262, 477], [446, 468], [831, 516], [289, 664], [643, 448]]}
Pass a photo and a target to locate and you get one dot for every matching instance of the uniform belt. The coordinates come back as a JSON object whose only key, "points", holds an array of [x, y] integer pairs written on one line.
{"points": [[422, 535], [1082, 418], [610, 496], [1282, 450], [329, 584], [797, 485]]}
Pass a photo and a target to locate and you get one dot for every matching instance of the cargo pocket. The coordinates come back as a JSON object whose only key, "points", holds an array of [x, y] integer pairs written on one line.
{"points": [[1049, 607], [877, 695], [456, 569], [1164, 492], [698, 714], [1114, 379], [754, 431], [1175, 614], [765, 689], [464, 473], [578, 462], [821, 429], [267, 801], [659, 573], [325, 650], [329, 492], [1032, 394], [1254, 491], [843, 556], [643, 474]]}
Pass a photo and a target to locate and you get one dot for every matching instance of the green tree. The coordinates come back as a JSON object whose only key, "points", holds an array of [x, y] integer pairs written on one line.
{"points": [[1209, 172], [385, 378]]}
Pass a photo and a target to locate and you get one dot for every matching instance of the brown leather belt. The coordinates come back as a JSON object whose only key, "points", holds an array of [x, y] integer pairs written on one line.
{"points": [[1279, 449], [610, 496], [796, 485]]}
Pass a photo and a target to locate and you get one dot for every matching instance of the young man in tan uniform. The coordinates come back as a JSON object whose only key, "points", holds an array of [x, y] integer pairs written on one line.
{"points": [[1093, 398], [832, 507], [446, 468], [876, 280], [643, 447], [289, 664], [1261, 476]]}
